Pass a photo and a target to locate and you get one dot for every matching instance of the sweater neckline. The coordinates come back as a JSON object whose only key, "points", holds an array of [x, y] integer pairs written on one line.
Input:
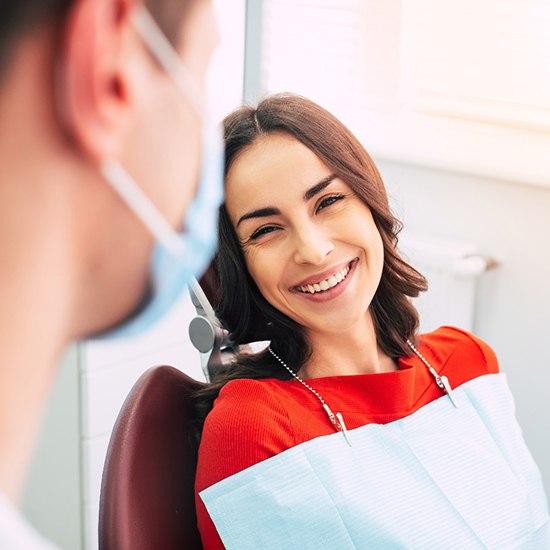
{"points": [[382, 392]]}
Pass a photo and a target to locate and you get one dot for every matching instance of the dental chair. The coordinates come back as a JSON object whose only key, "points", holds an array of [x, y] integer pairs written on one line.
{"points": [[147, 490], [147, 493]]}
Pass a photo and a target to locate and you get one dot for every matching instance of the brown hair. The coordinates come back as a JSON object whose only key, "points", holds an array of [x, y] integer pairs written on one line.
{"points": [[242, 308]]}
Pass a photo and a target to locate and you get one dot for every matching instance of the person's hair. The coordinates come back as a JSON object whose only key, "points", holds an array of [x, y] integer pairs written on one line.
{"points": [[17, 17], [241, 307]]}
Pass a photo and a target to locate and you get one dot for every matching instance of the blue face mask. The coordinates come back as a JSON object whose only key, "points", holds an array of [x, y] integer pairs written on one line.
{"points": [[176, 257]]}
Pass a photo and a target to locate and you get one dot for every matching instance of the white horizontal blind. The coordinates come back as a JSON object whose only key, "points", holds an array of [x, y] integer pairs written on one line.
{"points": [[312, 48], [481, 60], [478, 59]]}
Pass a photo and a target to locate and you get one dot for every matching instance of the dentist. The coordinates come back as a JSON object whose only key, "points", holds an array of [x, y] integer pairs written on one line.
{"points": [[106, 208]]}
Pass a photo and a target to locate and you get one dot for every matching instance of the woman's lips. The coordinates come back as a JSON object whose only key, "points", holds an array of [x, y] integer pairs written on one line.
{"points": [[327, 283], [332, 285], [323, 275]]}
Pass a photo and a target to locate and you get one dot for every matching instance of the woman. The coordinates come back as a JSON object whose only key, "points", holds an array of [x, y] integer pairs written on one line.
{"points": [[349, 430]]}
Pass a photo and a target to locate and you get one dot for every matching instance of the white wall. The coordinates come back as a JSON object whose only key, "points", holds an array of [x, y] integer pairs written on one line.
{"points": [[511, 222]]}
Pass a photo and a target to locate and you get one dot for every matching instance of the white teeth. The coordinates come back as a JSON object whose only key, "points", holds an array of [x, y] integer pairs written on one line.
{"points": [[321, 286]]}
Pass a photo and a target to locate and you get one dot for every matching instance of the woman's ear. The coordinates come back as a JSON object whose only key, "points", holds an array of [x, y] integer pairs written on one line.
{"points": [[94, 88]]}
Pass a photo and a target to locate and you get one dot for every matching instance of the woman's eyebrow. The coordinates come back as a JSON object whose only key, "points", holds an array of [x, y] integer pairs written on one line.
{"points": [[318, 187], [260, 213], [272, 211]]}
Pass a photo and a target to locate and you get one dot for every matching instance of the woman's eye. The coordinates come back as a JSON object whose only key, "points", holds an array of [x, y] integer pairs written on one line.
{"points": [[262, 231], [327, 201]]}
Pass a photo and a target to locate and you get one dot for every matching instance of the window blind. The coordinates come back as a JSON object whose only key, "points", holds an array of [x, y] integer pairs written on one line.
{"points": [[482, 60], [312, 48], [475, 59]]}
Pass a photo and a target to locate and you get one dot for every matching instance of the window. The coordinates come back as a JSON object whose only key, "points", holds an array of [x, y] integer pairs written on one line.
{"points": [[457, 84], [225, 78]]}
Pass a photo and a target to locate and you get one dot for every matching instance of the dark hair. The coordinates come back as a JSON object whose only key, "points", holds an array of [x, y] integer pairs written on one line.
{"points": [[17, 17], [242, 308]]}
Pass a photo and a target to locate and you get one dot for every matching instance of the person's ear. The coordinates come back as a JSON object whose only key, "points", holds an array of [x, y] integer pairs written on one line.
{"points": [[94, 91]]}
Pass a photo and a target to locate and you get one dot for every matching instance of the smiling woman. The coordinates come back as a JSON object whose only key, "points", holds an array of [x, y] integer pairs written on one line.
{"points": [[308, 261], [295, 163]]}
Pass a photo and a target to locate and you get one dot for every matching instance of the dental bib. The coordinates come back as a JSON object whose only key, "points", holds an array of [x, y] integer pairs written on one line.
{"points": [[442, 477]]}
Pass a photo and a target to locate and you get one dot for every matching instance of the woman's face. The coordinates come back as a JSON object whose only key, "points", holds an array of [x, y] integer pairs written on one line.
{"points": [[310, 243]]}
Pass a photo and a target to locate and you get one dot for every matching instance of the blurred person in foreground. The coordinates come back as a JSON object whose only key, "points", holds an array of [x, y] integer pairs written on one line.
{"points": [[106, 209]]}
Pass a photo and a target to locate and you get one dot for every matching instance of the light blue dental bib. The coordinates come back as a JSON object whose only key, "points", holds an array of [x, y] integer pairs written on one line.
{"points": [[441, 478]]}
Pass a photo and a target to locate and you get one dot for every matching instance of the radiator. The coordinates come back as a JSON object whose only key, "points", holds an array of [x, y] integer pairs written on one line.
{"points": [[453, 271]]}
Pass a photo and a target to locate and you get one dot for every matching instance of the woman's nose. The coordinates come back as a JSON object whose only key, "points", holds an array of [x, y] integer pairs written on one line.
{"points": [[312, 245]]}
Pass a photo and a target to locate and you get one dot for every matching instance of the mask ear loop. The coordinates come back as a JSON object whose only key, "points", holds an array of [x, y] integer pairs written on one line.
{"points": [[142, 206], [165, 54], [120, 180]]}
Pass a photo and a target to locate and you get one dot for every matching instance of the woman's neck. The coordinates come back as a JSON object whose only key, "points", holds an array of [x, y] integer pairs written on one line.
{"points": [[353, 351]]}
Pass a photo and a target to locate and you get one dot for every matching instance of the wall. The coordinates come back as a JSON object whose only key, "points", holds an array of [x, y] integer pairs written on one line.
{"points": [[511, 222]]}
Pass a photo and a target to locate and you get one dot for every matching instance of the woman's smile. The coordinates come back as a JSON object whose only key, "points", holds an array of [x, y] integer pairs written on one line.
{"points": [[321, 287]]}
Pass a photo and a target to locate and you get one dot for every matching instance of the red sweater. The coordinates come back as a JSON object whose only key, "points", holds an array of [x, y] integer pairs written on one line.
{"points": [[253, 420]]}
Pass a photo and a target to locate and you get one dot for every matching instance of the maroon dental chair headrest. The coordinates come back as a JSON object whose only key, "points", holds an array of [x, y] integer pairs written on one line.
{"points": [[147, 493]]}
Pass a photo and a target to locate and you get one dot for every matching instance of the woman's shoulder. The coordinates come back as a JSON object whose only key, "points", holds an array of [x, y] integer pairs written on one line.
{"points": [[452, 347], [248, 393], [245, 404], [247, 424]]}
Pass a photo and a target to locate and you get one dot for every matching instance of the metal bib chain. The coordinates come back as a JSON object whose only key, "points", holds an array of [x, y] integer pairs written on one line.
{"points": [[337, 420]]}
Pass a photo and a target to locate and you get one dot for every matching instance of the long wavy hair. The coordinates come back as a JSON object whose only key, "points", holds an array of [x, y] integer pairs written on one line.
{"points": [[240, 306]]}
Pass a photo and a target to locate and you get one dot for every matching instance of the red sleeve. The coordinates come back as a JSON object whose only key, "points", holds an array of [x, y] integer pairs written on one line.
{"points": [[491, 361], [246, 425], [460, 355], [474, 350]]}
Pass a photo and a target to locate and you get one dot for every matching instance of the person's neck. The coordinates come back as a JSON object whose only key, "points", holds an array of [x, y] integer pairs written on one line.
{"points": [[353, 351], [41, 269], [36, 282], [27, 371]]}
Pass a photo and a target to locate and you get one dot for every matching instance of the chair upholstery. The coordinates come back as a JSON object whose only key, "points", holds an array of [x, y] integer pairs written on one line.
{"points": [[147, 493]]}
